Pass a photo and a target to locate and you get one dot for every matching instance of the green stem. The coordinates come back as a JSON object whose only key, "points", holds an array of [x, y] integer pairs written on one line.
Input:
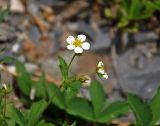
{"points": [[71, 61], [5, 102]]}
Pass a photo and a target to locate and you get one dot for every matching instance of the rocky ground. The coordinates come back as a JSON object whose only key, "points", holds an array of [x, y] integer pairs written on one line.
{"points": [[35, 33]]}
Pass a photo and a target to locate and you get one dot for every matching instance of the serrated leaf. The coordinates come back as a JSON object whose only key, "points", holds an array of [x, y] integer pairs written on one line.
{"points": [[58, 99], [113, 111], [155, 107], [18, 117], [24, 79], [68, 96], [74, 85], [141, 110], [63, 67], [36, 112], [71, 91], [82, 108], [98, 98]]}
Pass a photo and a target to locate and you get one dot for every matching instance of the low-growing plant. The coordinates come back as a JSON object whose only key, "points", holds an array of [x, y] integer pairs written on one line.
{"points": [[95, 109], [39, 97], [129, 12], [3, 14], [146, 113]]}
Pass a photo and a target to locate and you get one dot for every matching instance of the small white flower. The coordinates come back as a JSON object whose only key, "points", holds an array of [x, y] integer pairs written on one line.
{"points": [[87, 81], [100, 64], [77, 44], [4, 86], [100, 70], [32, 93]]}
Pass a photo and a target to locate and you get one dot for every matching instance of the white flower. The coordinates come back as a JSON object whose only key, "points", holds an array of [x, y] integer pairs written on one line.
{"points": [[77, 44], [86, 81], [4, 86], [32, 93], [100, 70]]}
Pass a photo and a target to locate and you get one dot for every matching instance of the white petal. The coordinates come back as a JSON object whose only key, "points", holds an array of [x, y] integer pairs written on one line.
{"points": [[100, 64], [70, 39], [101, 71], [85, 45], [105, 76], [4, 86], [70, 47], [82, 37], [78, 50]]}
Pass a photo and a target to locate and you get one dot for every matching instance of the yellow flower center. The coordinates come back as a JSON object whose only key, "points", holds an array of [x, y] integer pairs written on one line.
{"points": [[77, 43]]}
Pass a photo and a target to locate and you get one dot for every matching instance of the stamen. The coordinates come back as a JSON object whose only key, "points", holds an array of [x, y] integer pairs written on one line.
{"points": [[77, 43]]}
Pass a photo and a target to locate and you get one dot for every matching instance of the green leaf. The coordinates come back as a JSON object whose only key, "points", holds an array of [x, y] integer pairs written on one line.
{"points": [[24, 79], [3, 14], [82, 108], [74, 85], [40, 87], [43, 123], [113, 111], [8, 59], [36, 112], [63, 67], [135, 9], [18, 116], [141, 110], [1, 99], [98, 98], [3, 122], [69, 95], [71, 91], [58, 99], [155, 107], [126, 4]]}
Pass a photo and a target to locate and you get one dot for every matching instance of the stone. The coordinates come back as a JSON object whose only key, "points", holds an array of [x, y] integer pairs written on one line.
{"points": [[16, 6], [34, 34], [102, 42], [145, 36], [30, 67], [138, 74]]}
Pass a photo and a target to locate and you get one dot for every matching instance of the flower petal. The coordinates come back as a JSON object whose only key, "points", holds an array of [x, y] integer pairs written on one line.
{"points": [[70, 39], [85, 45], [78, 50], [82, 37], [70, 47], [100, 64], [101, 71], [105, 76]]}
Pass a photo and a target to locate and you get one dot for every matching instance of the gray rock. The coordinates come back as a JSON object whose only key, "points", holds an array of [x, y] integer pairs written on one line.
{"points": [[34, 34], [101, 43], [138, 74], [31, 67], [145, 36], [82, 27], [6, 34]]}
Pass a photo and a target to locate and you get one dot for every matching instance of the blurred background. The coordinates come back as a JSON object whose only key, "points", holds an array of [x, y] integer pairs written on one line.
{"points": [[124, 34]]}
